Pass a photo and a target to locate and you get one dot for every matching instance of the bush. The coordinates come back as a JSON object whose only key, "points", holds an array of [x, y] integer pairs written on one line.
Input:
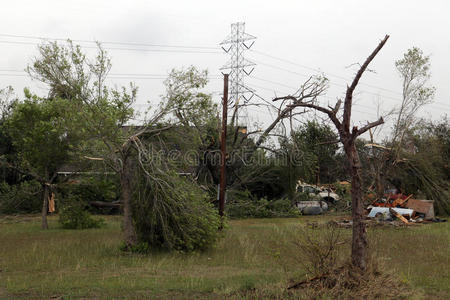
{"points": [[303, 197], [25, 197], [74, 216], [243, 204], [93, 188], [173, 213]]}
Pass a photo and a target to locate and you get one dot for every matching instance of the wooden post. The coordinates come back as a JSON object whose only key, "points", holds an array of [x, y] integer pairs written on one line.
{"points": [[223, 147]]}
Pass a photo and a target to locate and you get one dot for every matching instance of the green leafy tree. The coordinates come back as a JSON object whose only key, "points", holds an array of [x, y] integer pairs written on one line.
{"points": [[319, 144], [40, 133], [7, 151], [414, 71]]}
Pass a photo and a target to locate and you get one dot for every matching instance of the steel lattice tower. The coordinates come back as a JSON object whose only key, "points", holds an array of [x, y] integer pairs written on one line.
{"points": [[236, 44]]}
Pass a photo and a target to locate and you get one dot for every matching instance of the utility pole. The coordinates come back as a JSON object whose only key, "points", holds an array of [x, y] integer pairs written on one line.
{"points": [[223, 146]]}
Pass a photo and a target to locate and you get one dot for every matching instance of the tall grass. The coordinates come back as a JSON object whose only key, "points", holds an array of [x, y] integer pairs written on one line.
{"points": [[255, 258]]}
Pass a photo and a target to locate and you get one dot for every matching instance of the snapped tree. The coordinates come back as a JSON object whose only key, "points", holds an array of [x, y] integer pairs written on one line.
{"points": [[348, 137]]}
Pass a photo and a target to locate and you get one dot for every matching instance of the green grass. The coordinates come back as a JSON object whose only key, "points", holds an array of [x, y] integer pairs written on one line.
{"points": [[255, 257]]}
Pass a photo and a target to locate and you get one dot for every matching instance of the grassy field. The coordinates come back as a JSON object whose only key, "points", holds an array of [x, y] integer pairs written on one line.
{"points": [[255, 258]]}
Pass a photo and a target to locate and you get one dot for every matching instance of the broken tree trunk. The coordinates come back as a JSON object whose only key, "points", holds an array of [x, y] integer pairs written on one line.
{"points": [[359, 237], [348, 137]]}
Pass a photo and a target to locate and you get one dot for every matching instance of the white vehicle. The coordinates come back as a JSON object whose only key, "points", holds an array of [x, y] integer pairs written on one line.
{"points": [[317, 192]]}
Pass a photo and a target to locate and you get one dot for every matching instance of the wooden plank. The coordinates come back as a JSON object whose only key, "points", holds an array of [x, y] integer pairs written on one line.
{"points": [[399, 216]]}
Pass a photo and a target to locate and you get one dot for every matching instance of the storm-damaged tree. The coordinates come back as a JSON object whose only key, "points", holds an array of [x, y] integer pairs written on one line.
{"points": [[347, 137], [414, 72], [99, 114], [248, 146], [104, 118]]}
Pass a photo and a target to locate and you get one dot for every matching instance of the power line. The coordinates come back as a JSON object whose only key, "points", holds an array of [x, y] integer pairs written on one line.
{"points": [[111, 75], [323, 96], [330, 74], [123, 49], [203, 47], [339, 85], [194, 51], [108, 42], [321, 71]]}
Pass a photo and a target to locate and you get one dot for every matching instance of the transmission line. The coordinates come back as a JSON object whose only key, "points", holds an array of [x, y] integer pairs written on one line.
{"points": [[107, 42]]}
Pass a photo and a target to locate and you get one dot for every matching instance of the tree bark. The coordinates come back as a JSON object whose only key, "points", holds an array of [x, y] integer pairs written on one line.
{"points": [[45, 195], [126, 194], [359, 236]]}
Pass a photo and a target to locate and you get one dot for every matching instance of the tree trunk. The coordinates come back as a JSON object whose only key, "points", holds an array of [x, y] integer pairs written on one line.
{"points": [[359, 237], [45, 195], [126, 193]]}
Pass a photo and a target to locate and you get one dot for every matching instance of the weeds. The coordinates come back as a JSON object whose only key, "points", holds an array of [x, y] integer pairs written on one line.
{"points": [[330, 274]]}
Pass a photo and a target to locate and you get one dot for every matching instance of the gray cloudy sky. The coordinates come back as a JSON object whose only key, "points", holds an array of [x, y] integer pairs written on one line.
{"points": [[326, 35]]}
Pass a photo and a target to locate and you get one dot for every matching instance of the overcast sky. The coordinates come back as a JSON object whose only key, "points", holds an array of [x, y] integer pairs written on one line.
{"points": [[324, 35]]}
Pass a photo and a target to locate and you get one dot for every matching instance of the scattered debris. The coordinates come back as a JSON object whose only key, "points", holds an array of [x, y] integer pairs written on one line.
{"points": [[369, 223], [422, 207], [398, 215], [404, 208], [384, 210]]}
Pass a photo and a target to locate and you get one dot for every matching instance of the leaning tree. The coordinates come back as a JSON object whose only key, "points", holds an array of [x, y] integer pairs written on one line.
{"points": [[347, 137]]}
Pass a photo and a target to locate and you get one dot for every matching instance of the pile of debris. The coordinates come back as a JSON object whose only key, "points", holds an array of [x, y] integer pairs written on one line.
{"points": [[398, 211], [403, 208]]}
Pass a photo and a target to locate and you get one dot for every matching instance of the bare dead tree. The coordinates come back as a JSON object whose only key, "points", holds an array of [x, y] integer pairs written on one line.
{"points": [[347, 138], [308, 92]]}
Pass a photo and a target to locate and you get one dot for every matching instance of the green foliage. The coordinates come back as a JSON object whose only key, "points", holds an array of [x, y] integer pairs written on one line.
{"points": [[74, 216], [414, 70], [195, 113], [7, 150], [307, 155], [318, 142], [263, 176], [342, 189], [170, 212], [424, 172], [24, 197], [303, 197], [242, 204], [92, 188], [97, 113], [39, 132]]}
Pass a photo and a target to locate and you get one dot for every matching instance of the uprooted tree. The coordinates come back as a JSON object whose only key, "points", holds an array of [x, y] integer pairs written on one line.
{"points": [[348, 137]]}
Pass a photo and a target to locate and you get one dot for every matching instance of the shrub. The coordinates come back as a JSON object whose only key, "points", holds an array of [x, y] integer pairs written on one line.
{"points": [[173, 213], [93, 188], [74, 216], [243, 204], [303, 197], [24, 197]]}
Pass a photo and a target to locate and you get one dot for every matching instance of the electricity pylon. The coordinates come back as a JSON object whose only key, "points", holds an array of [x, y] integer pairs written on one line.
{"points": [[236, 44]]}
